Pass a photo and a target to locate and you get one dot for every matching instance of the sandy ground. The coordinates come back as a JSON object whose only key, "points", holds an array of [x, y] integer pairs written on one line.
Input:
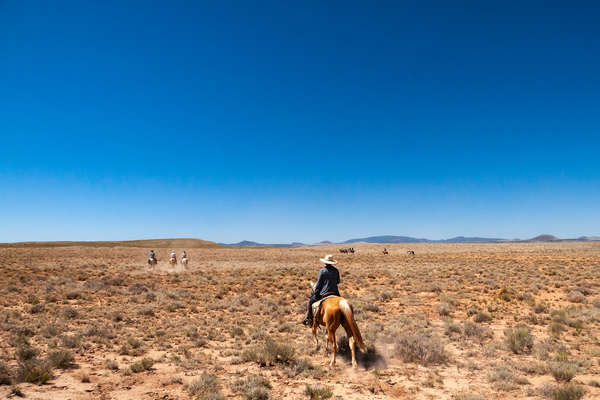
{"points": [[435, 324]]}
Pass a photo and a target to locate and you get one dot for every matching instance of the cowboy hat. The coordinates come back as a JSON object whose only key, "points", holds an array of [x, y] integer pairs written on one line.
{"points": [[328, 260]]}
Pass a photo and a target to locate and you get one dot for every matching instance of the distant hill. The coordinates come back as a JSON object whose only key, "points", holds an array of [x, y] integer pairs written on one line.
{"points": [[408, 239], [247, 243], [323, 243], [544, 238], [157, 243], [387, 239]]}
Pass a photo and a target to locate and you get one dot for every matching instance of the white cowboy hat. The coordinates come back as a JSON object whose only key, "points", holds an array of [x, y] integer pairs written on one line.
{"points": [[328, 260]]}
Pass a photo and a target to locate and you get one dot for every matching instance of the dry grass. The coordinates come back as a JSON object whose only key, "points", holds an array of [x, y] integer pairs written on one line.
{"points": [[461, 321]]}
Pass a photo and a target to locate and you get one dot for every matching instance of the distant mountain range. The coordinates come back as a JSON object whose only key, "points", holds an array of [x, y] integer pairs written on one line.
{"points": [[391, 239]]}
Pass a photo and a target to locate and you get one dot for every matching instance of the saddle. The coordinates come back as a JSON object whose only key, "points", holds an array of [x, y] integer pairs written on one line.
{"points": [[316, 307]]}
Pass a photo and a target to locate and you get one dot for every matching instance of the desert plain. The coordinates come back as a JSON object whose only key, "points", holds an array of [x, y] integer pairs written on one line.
{"points": [[454, 321]]}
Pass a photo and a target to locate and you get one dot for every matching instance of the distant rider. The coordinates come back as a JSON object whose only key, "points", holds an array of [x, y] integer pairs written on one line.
{"points": [[183, 255], [173, 255], [152, 255], [327, 285]]}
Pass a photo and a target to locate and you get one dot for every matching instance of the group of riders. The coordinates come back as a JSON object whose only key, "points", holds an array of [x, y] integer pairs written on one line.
{"points": [[172, 257]]}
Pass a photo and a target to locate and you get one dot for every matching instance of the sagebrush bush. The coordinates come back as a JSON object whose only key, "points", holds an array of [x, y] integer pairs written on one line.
{"points": [[62, 359], [269, 353], [576, 296], [482, 316], [317, 392], [518, 339], [34, 371], [5, 376], [255, 387], [563, 371], [422, 347], [142, 365], [444, 309], [203, 386]]}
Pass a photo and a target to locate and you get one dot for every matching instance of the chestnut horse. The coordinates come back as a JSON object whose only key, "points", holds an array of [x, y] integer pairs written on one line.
{"points": [[333, 312]]}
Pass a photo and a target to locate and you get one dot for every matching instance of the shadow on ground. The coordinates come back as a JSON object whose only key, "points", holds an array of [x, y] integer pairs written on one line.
{"points": [[369, 360]]}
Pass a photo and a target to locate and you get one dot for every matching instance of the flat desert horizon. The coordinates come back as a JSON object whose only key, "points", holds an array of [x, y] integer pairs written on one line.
{"points": [[455, 321]]}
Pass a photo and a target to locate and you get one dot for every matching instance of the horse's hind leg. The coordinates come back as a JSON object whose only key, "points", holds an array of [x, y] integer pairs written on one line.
{"points": [[351, 343], [331, 337], [314, 331]]}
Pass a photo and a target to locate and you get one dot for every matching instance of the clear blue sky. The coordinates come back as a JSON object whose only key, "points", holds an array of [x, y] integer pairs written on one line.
{"points": [[332, 120]]}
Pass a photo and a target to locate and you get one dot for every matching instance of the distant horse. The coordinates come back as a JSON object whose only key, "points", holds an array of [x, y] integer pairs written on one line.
{"points": [[385, 251], [184, 261], [152, 261], [173, 261], [347, 250], [332, 312], [410, 253]]}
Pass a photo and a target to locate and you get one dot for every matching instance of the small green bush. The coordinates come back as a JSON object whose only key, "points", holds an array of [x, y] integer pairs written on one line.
{"points": [[142, 366], [518, 339], [482, 316]]}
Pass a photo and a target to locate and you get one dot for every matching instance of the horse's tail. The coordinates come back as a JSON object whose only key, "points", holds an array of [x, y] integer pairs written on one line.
{"points": [[348, 313]]}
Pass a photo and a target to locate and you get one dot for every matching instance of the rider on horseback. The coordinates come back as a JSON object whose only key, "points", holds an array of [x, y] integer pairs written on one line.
{"points": [[327, 285], [152, 256], [173, 255]]}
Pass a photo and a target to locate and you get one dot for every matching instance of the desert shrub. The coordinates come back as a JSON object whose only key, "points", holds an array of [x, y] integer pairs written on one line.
{"points": [[37, 308], [482, 316], [505, 380], [147, 311], [26, 352], [576, 296], [423, 347], [112, 365], [269, 353], [74, 295], [473, 330], [317, 392], [467, 397], [50, 331], [540, 308], [70, 341], [237, 331], [518, 339], [5, 376], [61, 359], [563, 371], [565, 392], [555, 329], [452, 327], [444, 309], [34, 371], [304, 368], [203, 386], [559, 316], [141, 366], [507, 294], [255, 387], [69, 312]]}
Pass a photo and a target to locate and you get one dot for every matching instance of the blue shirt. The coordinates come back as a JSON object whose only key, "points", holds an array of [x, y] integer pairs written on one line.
{"points": [[328, 280]]}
